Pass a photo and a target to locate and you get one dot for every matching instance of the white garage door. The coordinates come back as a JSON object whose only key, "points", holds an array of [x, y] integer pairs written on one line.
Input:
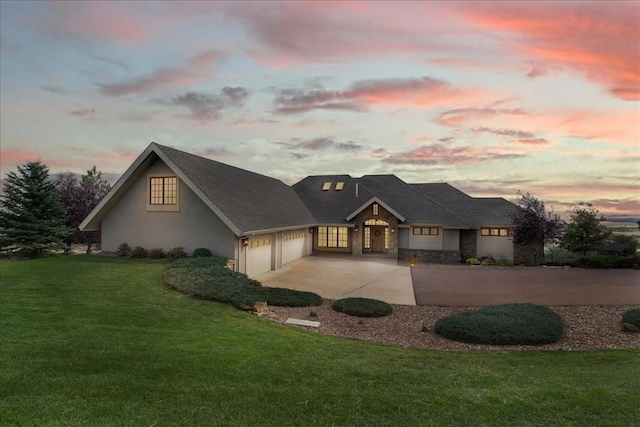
{"points": [[293, 247], [258, 257]]}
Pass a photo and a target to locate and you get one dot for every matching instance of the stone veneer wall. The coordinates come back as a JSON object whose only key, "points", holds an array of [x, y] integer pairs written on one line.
{"points": [[468, 244], [384, 215], [531, 255], [430, 256]]}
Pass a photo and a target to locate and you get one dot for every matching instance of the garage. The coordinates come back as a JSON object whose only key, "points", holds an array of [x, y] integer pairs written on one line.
{"points": [[293, 246], [258, 256]]}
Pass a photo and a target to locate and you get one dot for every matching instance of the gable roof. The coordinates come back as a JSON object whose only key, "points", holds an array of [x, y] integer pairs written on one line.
{"points": [[245, 201], [437, 203]]}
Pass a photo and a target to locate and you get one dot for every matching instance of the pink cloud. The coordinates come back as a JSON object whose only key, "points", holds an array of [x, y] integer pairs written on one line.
{"points": [[444, 155], [111, 21], [598, 39], [467, 115], [11, 157], [194, 70], [407, 92]]}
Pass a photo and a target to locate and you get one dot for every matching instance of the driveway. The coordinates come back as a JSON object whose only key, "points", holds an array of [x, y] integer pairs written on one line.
{"points": [[339, 276], [445, 285]]}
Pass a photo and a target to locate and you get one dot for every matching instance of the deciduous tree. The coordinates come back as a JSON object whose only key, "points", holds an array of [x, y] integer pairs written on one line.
{"points": [[79, 198], [533, 226], [585, 232]]}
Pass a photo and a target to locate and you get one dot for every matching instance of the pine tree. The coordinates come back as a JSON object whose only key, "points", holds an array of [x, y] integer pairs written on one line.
{"points": [[31, 214]]}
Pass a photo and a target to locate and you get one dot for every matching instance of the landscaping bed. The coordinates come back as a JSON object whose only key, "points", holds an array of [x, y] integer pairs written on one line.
{"points": [[585, 327]]}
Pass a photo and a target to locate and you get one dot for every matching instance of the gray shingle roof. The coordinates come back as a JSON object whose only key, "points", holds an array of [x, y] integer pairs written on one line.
{"points": [[474, 211], [251, 201], [437, 203]]}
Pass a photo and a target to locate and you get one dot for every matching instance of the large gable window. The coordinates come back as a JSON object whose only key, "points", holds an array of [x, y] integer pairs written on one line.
{"points": [[333, 237], [163, 193]]}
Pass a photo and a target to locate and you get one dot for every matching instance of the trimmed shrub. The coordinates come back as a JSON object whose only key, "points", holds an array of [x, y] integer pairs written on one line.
{"points": [[202, 252], [123, 249], [157, 253], [208, 278], [505, 263], [291, 298], [487, 260], [607, 261], [473, 261], [509, 324], [631, 320], [176, 253], [139, 252], [362, 307]]}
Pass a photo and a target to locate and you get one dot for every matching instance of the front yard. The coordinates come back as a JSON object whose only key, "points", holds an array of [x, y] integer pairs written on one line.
{"points": [[99, 341]]}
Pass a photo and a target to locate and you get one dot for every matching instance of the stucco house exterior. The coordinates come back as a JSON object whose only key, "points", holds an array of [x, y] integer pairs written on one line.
{"points": [[169, 198]]}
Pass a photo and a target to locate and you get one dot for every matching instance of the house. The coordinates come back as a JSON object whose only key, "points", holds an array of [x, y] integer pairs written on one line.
{"points": [[169, 198]]}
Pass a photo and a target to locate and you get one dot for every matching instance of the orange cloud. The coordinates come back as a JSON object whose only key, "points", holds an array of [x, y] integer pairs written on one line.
{"points": [[598, 39], [11, 157]]}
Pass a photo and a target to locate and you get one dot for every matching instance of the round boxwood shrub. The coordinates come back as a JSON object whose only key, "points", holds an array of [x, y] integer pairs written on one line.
{"points": [[291, 298], [362, 307], [202, 252], [176, 253], [139, 252], [631, 320], [509, 324]]}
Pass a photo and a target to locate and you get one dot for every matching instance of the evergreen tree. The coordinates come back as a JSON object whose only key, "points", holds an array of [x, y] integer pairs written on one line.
{"points": [[31, 214], [79, 198], [584, 232]]}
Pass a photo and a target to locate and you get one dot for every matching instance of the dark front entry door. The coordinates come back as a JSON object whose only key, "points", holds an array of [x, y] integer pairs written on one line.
{"points": [[377, 239]]}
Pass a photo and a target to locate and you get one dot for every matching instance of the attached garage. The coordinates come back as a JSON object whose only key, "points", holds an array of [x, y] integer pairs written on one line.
{"points": [[293, 246], [258, 256]]}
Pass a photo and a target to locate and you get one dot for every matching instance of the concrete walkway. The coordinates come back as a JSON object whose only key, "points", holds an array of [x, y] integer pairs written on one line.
{"points": [[340, 276]]}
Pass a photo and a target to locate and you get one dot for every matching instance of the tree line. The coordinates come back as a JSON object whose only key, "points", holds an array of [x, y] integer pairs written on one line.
{"points": [[39, 213], [583, 233]]}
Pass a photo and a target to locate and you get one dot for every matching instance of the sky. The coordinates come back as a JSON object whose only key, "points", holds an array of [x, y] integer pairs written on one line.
{"points": [[492, 97]]}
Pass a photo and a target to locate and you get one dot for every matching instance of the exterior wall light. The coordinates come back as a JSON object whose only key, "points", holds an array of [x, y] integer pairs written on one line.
{"points": [[245, 242]]}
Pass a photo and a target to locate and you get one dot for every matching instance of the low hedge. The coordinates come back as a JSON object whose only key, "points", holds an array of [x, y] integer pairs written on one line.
{"points": [[509, 324], [362, 307], [202, 252], [208, 278], [607, 261], [631, 320]]}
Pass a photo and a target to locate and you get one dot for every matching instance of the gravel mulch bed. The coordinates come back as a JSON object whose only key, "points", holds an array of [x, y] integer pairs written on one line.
{"points": [[585, 327]]}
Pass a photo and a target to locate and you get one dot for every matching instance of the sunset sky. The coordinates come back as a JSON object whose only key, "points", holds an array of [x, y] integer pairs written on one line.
{"points": [[491, 97]]}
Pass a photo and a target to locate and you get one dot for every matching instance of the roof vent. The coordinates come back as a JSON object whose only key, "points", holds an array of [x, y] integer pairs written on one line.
{"points": [[326, 186], [339, 186]]}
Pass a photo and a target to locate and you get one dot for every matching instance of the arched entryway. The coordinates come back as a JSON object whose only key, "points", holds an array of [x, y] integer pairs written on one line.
{"points": [[375, 236]]}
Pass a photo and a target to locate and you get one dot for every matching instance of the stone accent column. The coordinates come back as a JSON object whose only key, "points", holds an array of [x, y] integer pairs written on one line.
{"points": [[468, 244]]}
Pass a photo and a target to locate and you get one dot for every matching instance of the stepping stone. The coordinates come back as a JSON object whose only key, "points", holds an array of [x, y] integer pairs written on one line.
{"points": [[300, 322]]}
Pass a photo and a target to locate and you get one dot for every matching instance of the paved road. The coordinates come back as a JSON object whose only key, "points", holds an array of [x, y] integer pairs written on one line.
{"points": [[444, 285]]}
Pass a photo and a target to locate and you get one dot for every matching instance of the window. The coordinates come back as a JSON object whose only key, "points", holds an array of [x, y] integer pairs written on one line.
{"points": [[367, 237], [326, 186], [333, 237], [375, 222], [426, 231], [376, 209], [339, 186], [164, 191], [495, 232]]}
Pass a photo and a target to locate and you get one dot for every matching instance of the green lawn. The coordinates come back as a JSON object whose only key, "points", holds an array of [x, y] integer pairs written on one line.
{"points": [[98, 341]]}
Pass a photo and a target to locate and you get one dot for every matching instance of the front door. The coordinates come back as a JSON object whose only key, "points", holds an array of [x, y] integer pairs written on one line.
{"points": [[377, 239]]}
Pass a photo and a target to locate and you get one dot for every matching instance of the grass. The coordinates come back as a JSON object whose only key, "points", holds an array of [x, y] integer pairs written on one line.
{"points": [[100, 341]]}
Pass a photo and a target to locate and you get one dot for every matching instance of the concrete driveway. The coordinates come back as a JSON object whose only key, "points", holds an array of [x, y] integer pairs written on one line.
{"points": [[339, 276], [449, 285]]}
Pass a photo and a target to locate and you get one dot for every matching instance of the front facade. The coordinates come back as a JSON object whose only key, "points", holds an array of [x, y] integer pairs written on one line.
{"points": [[168, 198]]}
